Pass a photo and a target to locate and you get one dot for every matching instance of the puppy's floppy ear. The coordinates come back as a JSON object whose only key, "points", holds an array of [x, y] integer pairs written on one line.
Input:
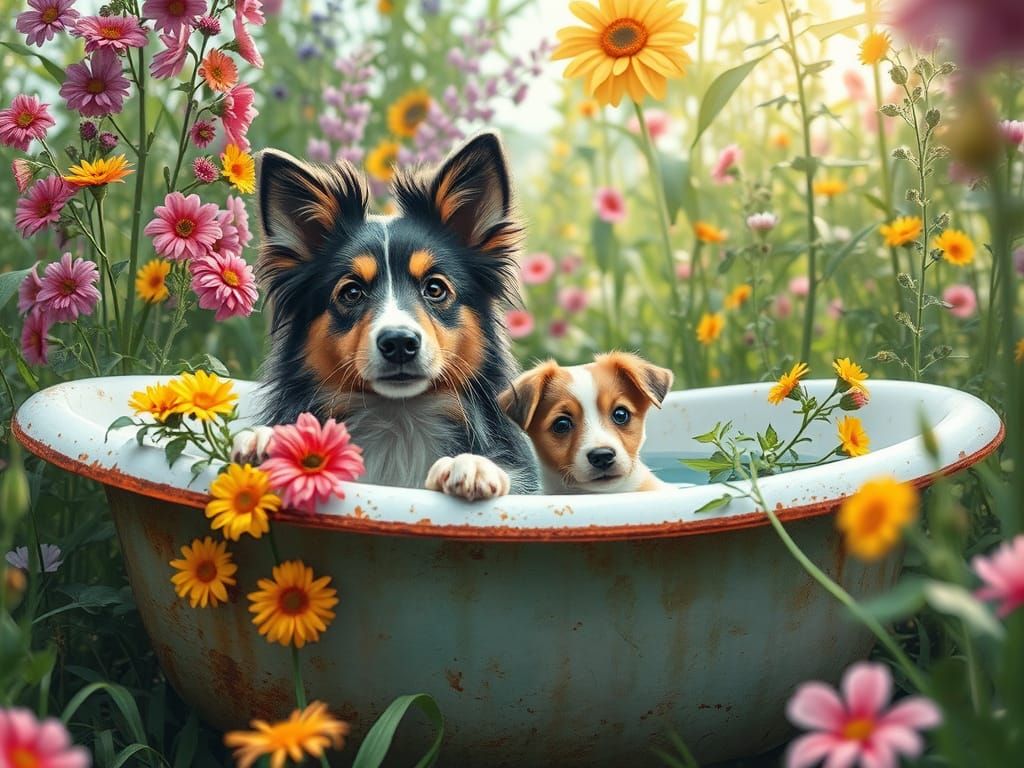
{"points": [[654, 382], [520, 401], [302, 205]]}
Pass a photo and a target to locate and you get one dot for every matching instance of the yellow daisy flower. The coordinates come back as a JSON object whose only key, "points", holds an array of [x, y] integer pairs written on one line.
{"points": [[1018, 353], [738, 296], [406, 114], [241, 501], [151, 281], [710, 327], [902, 230], [293, 608], [240, 169], [850, 375], [709, 233], [203, 395], [956, 247], [380, 163], [626, 47], [309, 731], [787, 383], [205, 573], [159, 401], [781, 140], [829, 187], [873, 519], [588, 108], [853, 440], [105, 170], [385, 6], [875, 47]]}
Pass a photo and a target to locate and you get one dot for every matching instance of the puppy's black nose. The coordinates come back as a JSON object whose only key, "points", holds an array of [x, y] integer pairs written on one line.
{"points": [[398, 345], [601, 458]]}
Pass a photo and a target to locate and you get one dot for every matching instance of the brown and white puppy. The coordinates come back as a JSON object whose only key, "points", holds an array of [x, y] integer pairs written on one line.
{"points": [[586, 422]]}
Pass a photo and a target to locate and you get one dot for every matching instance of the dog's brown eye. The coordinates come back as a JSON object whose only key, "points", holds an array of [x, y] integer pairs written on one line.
{"points": [[562, 425], [621, 415], [350, 293], [435, 289]]}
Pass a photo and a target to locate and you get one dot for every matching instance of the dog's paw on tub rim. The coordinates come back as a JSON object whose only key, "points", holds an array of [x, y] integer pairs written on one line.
{"points": [[468, 477], [250, 445]]}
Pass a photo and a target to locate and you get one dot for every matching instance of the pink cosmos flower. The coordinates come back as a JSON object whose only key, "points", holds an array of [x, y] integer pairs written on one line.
{"points": [[42, 205], [69, 289], [782, 306], [184, 227], [172, 16], [570, 263], [519, 323], [171, 60], [1012, 131], [46, 18], [558, 328], [205, 170], [97, 86], [308, 462], [28, 741], [202, 133], [983, 31], [28, 291], [683, 270], [24, 120], [34, 346], [246, 45], [610, 205], [224, 282], [239, 218], [572, 299], [800, 286], [537, 268], [1003, 575], [113, 33], [658, 124], [728, 158], [237, 114], [22, 171], [963, 300], [856, 727]]}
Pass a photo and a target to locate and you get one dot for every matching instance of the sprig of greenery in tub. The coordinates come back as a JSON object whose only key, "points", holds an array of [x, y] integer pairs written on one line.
{"points": [[738, 456]]}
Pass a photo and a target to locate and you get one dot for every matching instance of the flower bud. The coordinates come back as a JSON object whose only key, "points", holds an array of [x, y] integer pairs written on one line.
{"points": [[932, 117], [13, 584], [899, 74], [14, 491], [853, 400], [890, 110], [87, 130]]}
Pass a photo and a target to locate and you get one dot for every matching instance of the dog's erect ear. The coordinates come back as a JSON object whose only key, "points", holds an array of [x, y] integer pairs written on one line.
{"points": [[470, 195], [302, 205], [520, 401], [654, 382]]}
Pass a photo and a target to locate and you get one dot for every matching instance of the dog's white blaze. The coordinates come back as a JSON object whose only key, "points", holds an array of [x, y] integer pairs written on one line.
{"points": [[594, 433]]}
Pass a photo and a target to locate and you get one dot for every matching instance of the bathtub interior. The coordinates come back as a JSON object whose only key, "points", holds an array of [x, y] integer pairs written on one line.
{"points": [[71, 420]]}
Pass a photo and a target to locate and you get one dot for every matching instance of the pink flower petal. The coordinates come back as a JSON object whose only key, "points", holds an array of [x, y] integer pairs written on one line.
{"points": [[913, 712], [810, 749], [867, 688], [816, 705]]}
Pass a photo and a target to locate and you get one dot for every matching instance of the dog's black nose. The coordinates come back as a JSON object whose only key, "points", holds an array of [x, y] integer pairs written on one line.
{"points": [[398, 345], [601, 458]]}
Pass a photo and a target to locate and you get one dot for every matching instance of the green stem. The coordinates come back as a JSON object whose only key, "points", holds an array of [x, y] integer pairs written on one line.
{"points": [[106, 260], [88, 346], [140, 179], [922, 148]]}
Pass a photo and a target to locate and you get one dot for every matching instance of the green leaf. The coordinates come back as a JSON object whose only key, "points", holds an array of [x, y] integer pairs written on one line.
{"points": [[804, 164], [55, 71], [817, 67], [726, 264], [714, 504], [900, 602], [679, 191], [602, 237], [119, 423], [709, 437], [956, 601], [118, 267], [719, 93], [846, 250], [9, 282], [378, 741], [174, 449], [122, 700], [708, 465], [829, 28], [877, 203]]}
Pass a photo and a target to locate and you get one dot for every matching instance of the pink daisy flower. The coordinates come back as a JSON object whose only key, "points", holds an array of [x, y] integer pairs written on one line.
{"points": [[835, 309], [69, 289], [239, 218], [237, 114], [22, 171], [26, 740], [308, 462], [42, 205], [962, 300], [224, 282], [205, 170], [683, 270], [173, 16], [610, 205], [762, 223], [251, 11], [228, 242], [558, 328], [658, 123], [184, 227], [202, 133], [519, 323], [46, 18], [569, 264], [36, 351], [728, 158], [856, 727], [1003, 575], [246, 45], [572, 299], [800, 286], [97, 86], [983, 31], [28, 291], [113, 33], [1012, 132], [537, 268], [171, 60], [782, 306], [24, 120]]}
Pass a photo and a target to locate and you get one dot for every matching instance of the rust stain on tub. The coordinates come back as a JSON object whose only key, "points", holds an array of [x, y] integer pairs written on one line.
{"points": [[228, 678], [454, 678]]}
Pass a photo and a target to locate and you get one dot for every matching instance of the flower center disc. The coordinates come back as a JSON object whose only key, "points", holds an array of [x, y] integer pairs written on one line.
{"points": [[110, 33], [230, 277], [312, 461], [244, 502], [177, 8], [415, 115], [23, 758], [49, 15], [293, 601], [67, 287], [156, 281], [206, 571], [184, 227], [24, 120], [859, 729], [624, 37], [95, 85], [202, 400]]}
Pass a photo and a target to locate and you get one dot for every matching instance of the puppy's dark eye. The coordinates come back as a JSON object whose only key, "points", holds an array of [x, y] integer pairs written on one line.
{"points": [[436, 290], [562, 425], [621, 415], [350, 293]]}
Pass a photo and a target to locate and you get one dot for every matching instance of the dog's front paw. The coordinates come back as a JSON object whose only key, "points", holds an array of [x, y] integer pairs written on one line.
{"points": [[468, 476], [250, 445]]}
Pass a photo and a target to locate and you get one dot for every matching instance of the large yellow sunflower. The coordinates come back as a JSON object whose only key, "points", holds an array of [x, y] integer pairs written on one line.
{"points": [[205, 573], [203, 395], [241, 501], [873, 518], [629, 46], [310, 731], [293, 608], [406, 114], [380, 163]]}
